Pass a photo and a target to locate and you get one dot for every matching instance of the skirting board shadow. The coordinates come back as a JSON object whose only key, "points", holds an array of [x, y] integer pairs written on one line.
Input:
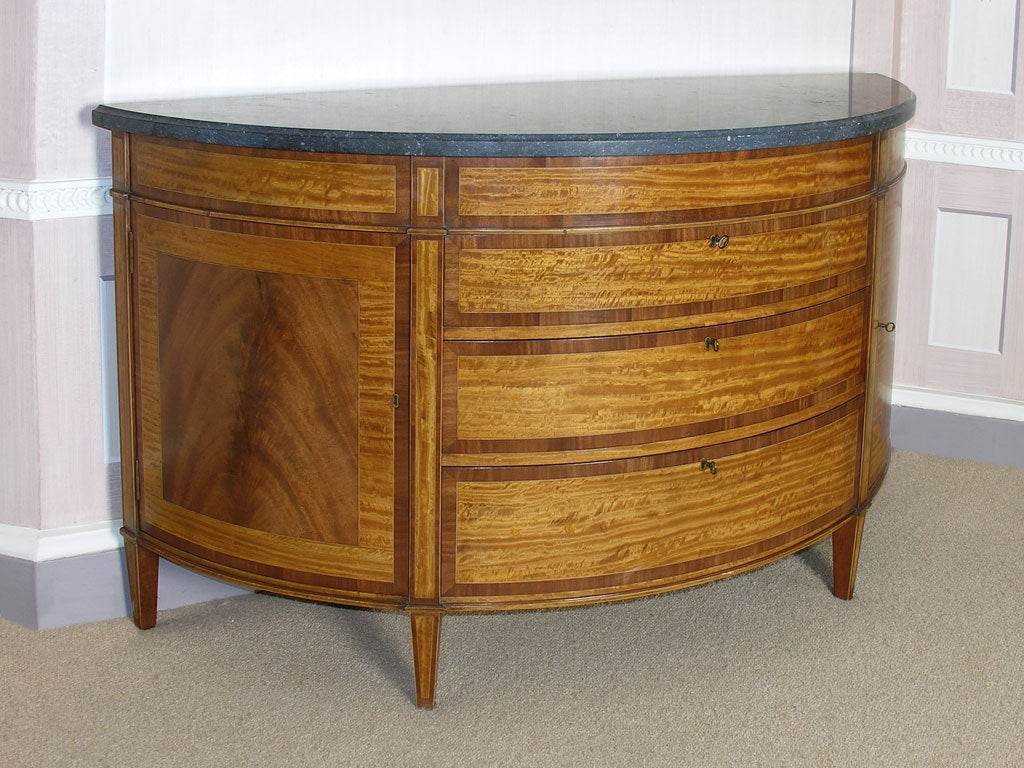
{"points": [[940, 433], [93, 587]]}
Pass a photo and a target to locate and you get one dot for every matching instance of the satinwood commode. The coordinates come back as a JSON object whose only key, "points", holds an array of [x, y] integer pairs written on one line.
{"points": [[504, 346]]}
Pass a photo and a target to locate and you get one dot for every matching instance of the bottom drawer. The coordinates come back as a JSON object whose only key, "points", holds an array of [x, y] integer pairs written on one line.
{"points": [[540, 534]]}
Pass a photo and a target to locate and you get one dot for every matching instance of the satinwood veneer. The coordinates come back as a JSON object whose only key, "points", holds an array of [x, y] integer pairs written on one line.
{"points": [[436, 350]]}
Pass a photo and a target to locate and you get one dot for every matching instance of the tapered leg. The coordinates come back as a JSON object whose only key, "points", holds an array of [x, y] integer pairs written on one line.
{"points": [[426, 635], [845, 552], [143, 574]]}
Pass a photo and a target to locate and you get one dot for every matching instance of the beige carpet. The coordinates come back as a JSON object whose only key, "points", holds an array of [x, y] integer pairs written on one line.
{"points": [[925, 667]]}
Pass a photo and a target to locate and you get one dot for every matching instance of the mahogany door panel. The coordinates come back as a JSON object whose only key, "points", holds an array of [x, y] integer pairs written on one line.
{"points": [[268, 370]]}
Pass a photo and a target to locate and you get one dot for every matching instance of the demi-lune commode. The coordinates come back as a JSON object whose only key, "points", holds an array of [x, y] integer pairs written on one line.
{"points": [[504, 346]]}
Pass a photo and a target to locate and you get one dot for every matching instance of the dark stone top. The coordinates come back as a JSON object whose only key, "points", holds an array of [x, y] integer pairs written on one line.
{"points": [[586, 118]]}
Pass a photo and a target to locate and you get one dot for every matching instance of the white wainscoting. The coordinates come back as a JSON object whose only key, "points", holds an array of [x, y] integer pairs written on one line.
{"points": [[961, 283], [982, 44], [959, 376], [969, 281], [962, 90]]}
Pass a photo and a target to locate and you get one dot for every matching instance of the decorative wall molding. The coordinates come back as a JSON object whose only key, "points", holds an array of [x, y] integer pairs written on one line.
{"points": [[965, 150], [58, 543], [67, 198], [953, 402]]}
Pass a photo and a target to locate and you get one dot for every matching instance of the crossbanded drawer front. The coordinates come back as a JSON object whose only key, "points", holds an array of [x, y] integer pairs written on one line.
{"points": [[482, 192], [271, 183], [520, 533], [498, 281], [591, 393]]}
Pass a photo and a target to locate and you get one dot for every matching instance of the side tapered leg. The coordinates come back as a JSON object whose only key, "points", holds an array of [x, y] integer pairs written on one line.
{"points": [[143, 574], [426, 636], [845, 553]]}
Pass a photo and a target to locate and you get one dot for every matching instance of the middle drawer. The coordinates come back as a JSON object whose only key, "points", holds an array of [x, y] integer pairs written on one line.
{"points": [[561, 395]]}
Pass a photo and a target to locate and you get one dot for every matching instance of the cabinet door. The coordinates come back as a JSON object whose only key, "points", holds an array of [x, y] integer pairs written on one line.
{"points": [[882, 342], [267, 375]]}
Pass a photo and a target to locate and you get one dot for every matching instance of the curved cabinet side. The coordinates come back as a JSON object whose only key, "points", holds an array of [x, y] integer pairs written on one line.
{"points": [[882, 328]]}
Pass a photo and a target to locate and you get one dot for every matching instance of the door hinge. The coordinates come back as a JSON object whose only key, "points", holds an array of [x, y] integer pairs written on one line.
{"points": [[131, 252]]}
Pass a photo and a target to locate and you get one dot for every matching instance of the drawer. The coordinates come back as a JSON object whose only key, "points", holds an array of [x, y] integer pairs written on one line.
{"points": [[558, 192], [274, 184], [519, 533], [581, 394], [520, 281]]}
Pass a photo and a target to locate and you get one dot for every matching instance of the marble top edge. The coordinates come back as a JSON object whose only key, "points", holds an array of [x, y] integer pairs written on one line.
{"points": [[589, 118]]}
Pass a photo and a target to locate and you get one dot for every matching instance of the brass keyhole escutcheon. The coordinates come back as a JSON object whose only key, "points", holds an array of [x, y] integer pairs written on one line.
{"points": [[706, 464], [711, 345]]}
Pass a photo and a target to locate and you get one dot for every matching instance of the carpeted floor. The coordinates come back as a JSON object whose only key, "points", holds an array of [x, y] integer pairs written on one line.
{"points": [[924, 667]]}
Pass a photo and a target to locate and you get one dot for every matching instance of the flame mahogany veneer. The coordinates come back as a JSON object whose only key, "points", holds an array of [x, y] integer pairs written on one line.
{"points": [[512, 370]]}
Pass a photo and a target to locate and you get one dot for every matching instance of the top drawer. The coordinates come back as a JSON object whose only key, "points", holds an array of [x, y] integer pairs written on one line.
{"points": [[576, 191], [303, 186], [531, 285]]}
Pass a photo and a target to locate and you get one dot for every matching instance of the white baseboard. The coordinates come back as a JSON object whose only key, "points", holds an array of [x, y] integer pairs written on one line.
{"points": [[57, 543], [76, 575], [952, 402]]}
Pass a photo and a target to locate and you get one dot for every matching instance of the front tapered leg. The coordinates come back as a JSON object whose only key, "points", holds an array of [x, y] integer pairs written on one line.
{"points": [[845, 553], [426, 636], [143, 573]]}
